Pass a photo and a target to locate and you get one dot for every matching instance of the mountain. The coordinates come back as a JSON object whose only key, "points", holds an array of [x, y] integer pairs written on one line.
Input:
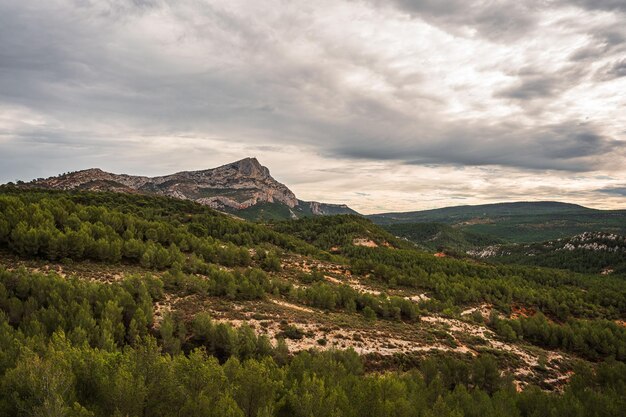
{"points": [[244, 188], [518, 222]]}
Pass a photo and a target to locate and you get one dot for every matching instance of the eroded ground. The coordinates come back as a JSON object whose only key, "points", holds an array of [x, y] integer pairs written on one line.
{"points": [[320, 329]]}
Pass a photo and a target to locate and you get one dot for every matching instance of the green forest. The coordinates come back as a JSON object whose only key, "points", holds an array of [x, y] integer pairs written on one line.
{"points": [[74, 347]]}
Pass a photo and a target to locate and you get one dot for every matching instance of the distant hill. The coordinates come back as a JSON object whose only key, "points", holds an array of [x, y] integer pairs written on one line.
{"points": [[520, 222], [456, 214], [440, 236], [244, 188], [589, 252]]}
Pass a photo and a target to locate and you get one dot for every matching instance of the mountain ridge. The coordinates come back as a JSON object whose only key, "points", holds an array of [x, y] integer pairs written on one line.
{"points": [[461, 211], [513, 222], [232, 187]]}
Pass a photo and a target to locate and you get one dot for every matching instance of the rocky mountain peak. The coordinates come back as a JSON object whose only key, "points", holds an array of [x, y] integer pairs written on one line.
{"points": [[92, 171], [250, 167], [235, 186]]}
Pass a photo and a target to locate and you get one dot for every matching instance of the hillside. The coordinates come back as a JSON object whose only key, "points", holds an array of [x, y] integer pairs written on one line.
{"points": [[522, 222], [142, 305], [440, 236], [240, 188], [276, 211], [589, 252]]}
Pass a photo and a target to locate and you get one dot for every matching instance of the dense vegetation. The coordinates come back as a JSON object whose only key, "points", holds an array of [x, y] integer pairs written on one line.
{"points": [[591, 339], [71, 347], [278, 211], [440, 236], [338, 231], [587, 253], [160, 233], [331, 297], [147, 230], [455, 283], [265, 212], [452, 283]]}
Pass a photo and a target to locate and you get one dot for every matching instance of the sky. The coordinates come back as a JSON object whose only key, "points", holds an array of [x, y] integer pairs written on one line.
{"points": [[390, 105]]}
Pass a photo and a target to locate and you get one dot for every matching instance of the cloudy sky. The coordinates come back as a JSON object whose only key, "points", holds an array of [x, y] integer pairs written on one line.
{"points": [[386, 105]]}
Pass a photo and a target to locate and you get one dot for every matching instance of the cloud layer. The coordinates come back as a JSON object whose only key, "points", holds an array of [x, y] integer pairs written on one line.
{"points": [[533, 89]]}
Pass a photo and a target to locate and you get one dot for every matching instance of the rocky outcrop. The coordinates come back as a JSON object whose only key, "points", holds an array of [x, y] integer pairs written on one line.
{"points": [[587, 241], [235, 186], [325, 209]]}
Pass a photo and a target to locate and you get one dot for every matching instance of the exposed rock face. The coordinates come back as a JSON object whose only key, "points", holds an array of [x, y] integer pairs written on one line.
{"points": [[237, 185], [325, 209]]}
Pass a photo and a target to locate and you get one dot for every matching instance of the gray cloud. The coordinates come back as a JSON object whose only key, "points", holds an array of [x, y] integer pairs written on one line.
{"points": [[86, 83], [604, 41], [619, 191], [497, 20], [605, 5], [535, 86], [617, 69], [568, 147]]}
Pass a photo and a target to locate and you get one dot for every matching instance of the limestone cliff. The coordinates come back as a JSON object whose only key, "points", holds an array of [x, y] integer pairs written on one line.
{"points": [[235, 186]]}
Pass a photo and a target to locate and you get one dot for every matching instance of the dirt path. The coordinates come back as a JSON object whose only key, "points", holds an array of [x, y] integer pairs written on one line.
{"points": [[293, 306]]}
